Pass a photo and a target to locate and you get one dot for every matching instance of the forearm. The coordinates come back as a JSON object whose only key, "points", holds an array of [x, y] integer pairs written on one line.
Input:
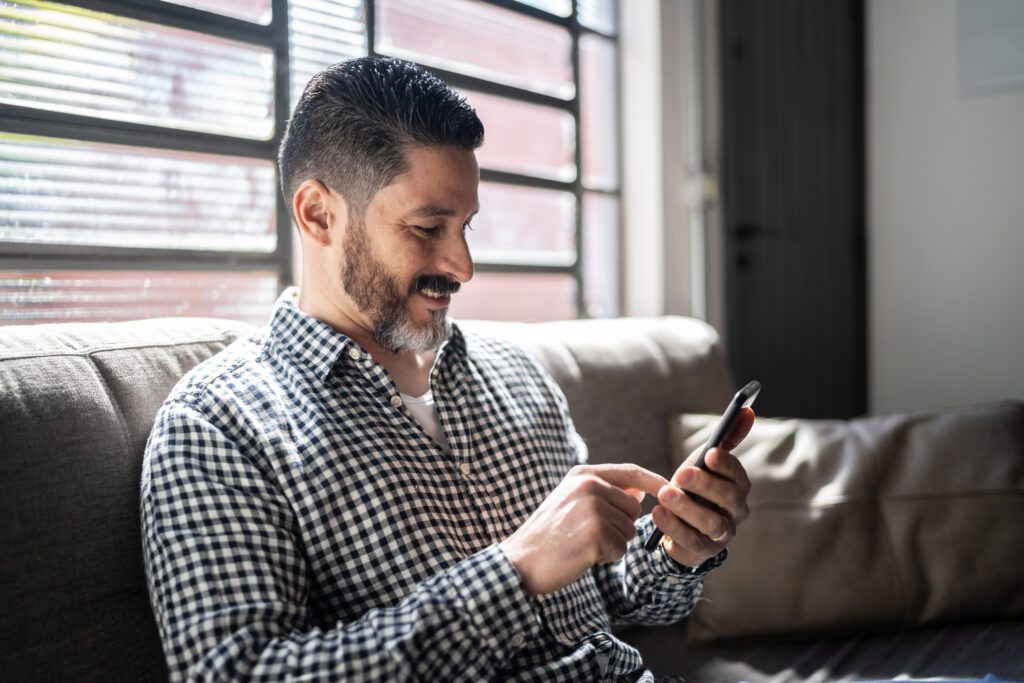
{"points": [[646, 587], [457, 625]]}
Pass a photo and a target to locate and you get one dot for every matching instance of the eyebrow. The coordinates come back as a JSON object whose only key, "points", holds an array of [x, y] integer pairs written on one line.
{"points": [[434, 211]]}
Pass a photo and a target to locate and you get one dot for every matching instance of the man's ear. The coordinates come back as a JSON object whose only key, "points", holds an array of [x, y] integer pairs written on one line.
{"points": [[321, 215]]}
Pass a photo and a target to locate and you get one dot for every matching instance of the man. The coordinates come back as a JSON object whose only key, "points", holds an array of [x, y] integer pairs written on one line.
{"points": [[361, 492]]}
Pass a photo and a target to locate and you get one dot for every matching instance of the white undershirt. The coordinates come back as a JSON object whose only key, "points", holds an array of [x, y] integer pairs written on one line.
{"points": [[424, 410]]}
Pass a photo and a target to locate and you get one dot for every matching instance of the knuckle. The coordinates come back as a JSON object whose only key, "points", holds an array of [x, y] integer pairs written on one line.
{"points": [[744, 512], [590, 484], [577, 470]]}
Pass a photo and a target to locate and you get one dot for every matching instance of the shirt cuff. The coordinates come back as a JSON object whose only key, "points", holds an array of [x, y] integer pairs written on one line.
{"points": [[491, 592], [673, 567], [663, 563]]}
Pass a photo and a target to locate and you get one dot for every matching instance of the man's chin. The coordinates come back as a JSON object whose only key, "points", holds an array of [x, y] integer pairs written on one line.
{"points": [[417, 337]]}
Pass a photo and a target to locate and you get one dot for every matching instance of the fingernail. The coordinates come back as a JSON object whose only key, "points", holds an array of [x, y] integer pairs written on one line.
{"points": [[670, 495], [686, 477]]}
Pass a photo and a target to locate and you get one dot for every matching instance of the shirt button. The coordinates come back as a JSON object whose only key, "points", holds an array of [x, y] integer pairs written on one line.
{"points": [[517, 640], [367, 363], [465, 468], [396, 401], [353, 353]]}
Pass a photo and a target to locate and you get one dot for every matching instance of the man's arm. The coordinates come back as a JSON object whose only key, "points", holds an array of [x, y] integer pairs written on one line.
{"points": [[663, 585], [649, 587], [229, 582]]}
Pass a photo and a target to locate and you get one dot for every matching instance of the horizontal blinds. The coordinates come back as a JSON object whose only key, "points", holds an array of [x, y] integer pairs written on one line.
{"points": [[68, 59], [321, 33], [56, 191], [256, 11], [94, 296]]}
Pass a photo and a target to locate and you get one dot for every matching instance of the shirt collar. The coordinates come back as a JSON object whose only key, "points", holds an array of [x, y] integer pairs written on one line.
{"points": [[319, 346]]}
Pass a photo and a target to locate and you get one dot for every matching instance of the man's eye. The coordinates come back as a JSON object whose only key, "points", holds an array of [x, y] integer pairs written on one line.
{"points": [[467, 226], [426, 229]]}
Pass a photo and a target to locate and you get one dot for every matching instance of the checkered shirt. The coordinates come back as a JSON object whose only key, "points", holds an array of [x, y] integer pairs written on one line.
{"points": [[298, 523]]}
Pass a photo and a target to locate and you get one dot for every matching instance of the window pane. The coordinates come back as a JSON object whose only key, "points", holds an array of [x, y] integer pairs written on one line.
{"points": [[66, 192], [600, 15], [257, 11], [601, 255], [94, 296], [525, 138], [74, 60], [516, 296], [479, 40], [321, 33], [524, 225], [599, 121], [562, 8]]}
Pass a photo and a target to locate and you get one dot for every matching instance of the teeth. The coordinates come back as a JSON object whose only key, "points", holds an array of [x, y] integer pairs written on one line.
{"points": [[432, 293]]}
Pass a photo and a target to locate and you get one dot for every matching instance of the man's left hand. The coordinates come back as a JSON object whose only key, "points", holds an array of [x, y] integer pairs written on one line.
{"points": [[694, 530]]}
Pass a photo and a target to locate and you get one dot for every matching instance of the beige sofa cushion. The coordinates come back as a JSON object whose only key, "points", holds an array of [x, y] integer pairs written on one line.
{"points": [[877, 521]]}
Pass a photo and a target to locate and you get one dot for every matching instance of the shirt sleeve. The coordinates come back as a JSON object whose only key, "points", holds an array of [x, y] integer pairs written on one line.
{"points": [[229, 583], [645, 587], [642, 587], [649, 587]]}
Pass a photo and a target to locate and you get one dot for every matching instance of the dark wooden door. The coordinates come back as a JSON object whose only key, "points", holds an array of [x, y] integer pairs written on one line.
{"points": [[793, 193]]}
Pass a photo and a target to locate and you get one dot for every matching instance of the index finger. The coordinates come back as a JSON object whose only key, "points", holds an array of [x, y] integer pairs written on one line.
{"points": [[739, 430], [630, 476]]}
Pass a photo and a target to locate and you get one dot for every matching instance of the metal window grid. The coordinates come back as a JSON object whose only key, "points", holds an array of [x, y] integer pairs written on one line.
{"points": [[30, 121]]}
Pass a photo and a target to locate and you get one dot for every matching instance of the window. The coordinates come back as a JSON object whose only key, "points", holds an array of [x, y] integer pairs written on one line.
{"points": [[138, 138]]}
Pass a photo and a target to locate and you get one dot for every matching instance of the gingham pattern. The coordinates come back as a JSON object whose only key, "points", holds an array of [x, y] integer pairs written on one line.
{"points": [[299, 524]]}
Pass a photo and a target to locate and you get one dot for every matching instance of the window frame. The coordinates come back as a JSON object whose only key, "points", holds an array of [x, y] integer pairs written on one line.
{"points": [[275, 36]]}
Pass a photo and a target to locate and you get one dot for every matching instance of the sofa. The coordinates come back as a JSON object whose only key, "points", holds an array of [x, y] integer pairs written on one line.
{"points": [[879, 547]]}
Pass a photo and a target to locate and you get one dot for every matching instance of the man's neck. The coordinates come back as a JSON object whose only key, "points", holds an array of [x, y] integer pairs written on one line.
{"points": [[410, 370]]}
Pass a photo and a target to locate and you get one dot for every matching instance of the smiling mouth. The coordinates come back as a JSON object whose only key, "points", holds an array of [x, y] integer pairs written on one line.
{"points": [[435, 287]]}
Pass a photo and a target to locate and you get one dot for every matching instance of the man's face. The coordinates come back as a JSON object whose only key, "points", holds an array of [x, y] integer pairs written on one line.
{"points": [[402, 263]]}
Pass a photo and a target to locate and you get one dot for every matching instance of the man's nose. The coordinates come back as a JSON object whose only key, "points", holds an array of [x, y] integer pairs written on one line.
{"points": [[454, 258]]}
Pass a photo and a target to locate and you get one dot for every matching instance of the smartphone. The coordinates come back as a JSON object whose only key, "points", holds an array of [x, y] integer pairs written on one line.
{"points": [[744, 398]]}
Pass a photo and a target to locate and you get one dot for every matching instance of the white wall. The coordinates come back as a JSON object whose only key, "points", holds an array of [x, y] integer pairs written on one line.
{"points": [[643, 219], [663, 267], [946, 218]]}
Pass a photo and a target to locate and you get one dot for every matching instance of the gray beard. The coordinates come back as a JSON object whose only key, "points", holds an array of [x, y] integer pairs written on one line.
{"points": [[380, 298], [400, 333]]}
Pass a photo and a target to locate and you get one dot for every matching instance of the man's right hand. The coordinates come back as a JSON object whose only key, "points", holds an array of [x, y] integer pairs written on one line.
{"points": [[586, 520]]}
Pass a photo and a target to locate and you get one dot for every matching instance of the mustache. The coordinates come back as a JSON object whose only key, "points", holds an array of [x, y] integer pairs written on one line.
{"points": [[438, 283]]}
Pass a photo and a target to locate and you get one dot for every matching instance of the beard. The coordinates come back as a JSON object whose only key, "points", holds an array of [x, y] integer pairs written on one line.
{"points": [[382, 298]]}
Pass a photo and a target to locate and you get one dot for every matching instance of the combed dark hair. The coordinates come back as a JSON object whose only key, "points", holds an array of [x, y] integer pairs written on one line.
{"points": [[354, 120]]}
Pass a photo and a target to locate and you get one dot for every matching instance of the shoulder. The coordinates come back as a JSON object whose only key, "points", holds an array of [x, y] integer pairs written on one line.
{"points": [[241, 375], [503, 361], [501, 355]]}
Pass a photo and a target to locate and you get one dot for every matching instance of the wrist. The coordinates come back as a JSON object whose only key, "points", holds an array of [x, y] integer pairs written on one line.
{"points": [[518, 559], [698, 567]]}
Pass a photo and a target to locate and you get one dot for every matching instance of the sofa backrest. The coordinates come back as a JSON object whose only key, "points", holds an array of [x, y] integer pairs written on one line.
{"points": [[76, 405], [625, 377]]}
